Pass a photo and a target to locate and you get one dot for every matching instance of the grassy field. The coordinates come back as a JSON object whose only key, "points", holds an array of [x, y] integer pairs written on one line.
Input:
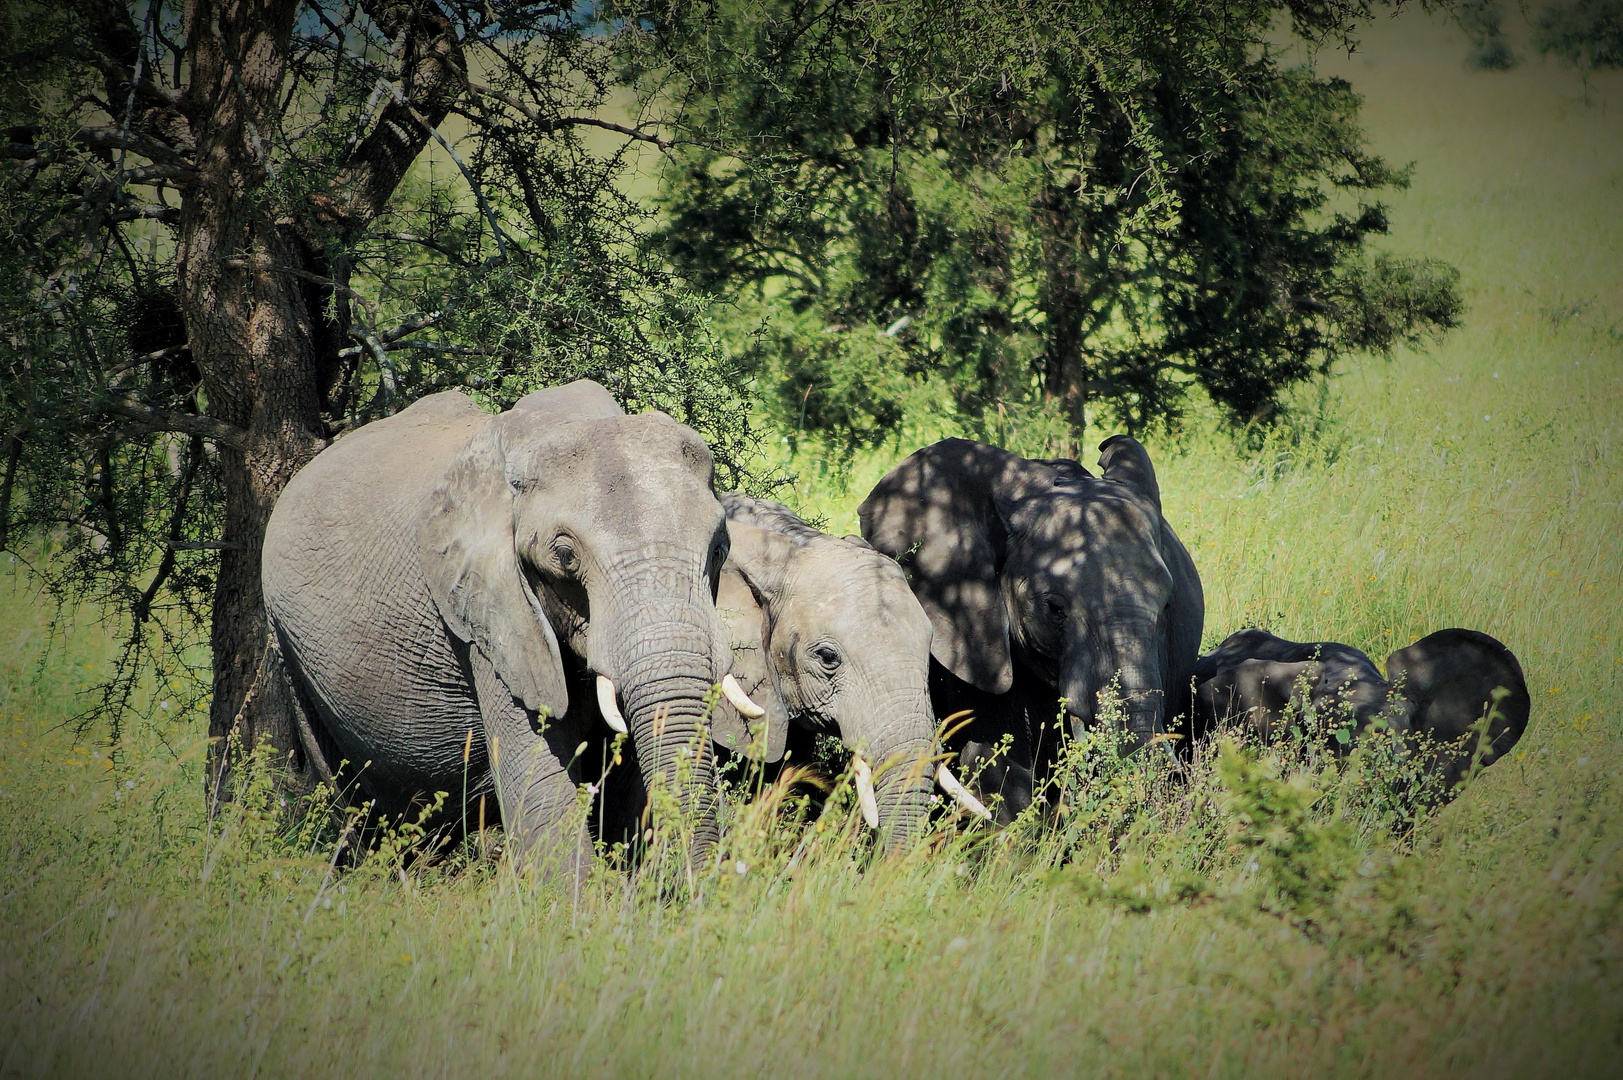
{"points": [[1478, 484]]}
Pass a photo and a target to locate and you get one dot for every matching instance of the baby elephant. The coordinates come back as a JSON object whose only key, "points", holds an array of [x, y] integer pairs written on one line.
{"points": [[1256, 676], [1450, 678], [1438, 687]]}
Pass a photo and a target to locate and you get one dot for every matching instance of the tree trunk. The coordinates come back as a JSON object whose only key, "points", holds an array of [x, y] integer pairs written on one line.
{"points": [[253, 339]]}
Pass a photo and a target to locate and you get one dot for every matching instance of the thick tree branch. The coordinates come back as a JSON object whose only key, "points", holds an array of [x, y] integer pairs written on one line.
{"points": [[14, 451], [433, 74], [150, 419]]}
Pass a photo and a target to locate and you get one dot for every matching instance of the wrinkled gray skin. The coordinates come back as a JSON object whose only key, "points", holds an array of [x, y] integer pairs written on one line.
{"points": [[826, 636], [1041, 581], [429, 575], [1254, 677], [1438, 687], [1449, 678]]}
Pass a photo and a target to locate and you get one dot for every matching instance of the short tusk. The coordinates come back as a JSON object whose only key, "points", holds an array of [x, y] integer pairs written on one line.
{"points": [[870, 805], [949, 783], [741, 701], [608, 706]]}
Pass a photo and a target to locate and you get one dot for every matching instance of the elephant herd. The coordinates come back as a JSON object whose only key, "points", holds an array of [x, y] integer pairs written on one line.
{"points": [[477, 604]]}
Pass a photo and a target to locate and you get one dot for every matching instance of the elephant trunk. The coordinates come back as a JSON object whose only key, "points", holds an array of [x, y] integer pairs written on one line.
{"points": [[663, 669], [1145, 712], [898, 737]]}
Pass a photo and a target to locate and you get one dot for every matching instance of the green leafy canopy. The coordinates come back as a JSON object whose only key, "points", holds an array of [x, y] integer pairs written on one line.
{"points": [[1037, 210]]}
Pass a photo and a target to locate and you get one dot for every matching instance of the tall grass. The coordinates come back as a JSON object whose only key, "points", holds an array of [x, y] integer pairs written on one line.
{"points": [[1235, 925]]}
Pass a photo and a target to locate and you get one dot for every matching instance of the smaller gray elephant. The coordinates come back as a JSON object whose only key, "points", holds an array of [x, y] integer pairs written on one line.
{"points": [[826, 636], [1436, 689]]}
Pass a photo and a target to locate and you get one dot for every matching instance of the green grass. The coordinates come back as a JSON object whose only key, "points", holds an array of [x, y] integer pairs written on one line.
{"points": [[1477, 484]]}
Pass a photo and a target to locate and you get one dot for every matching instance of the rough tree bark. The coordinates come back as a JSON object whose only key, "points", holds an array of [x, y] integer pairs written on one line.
{"points": [[257, 314]]}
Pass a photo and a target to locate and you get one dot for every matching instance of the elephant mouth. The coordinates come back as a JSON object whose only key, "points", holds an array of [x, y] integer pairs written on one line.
{"points": [[608, 702]]}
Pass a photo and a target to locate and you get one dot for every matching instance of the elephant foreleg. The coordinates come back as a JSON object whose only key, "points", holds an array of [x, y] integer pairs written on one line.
{"points": [[534, 766]]}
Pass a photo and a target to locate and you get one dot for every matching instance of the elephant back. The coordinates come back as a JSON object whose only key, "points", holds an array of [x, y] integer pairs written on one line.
{"points": [[347, 597]]}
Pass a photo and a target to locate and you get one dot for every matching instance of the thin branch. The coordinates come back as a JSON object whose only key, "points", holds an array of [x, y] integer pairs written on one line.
{"points": [[169, 215], [177, 520], [467, 174], [554, 123], [342, 290], [204, 426]]}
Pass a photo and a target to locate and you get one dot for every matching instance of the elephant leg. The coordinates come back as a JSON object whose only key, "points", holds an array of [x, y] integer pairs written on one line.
{"points": [[534, 766]]}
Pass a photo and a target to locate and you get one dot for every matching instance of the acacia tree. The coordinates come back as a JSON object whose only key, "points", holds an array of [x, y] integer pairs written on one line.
{"points": [[1046, 207], [240, 228]]}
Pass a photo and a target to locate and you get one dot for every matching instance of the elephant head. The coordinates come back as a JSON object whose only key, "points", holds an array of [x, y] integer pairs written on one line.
{"points": [[1450, 678], [827, 635], [564, 524], [1038, 564]]}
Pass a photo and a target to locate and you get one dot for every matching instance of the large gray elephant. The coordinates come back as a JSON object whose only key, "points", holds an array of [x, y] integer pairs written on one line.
{"points": [[439, 579], [1437, 688], [1042, 582], [826, 637]]}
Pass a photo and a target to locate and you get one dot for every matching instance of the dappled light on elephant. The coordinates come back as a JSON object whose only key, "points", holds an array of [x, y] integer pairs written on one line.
{"points": [[1044, 584]]}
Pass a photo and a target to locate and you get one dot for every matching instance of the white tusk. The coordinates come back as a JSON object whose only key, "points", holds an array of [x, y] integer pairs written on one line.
{"points": [[949, 783], [870, 805], [608, 706], [741, 701]]}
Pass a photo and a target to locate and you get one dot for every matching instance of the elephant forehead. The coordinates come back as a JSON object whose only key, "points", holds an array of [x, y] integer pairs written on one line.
{"points": [[616, 455], [857, 589], [1094, 523]]}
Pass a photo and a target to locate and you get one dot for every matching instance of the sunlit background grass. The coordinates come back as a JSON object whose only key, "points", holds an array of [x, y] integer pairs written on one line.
{"points": [[1476, 484]]}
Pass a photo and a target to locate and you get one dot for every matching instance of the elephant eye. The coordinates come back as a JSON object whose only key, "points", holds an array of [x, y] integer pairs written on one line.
{"points": [[1056, 608], [826, 655], [563, 552]]}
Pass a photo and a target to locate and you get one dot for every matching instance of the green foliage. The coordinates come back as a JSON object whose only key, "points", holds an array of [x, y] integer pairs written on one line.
{"points": [[1000, 212], [1483, 23], [520, 262], [1586, 34]]}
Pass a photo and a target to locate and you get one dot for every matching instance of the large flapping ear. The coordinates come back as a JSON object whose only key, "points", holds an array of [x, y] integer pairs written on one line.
{"points": [[466, 543], [1123, 459], [1451, 677], [935, 515], [743, 607]]}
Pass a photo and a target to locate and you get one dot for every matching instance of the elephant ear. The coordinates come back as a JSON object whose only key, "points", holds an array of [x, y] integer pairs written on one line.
{"points": [[1451, 677], [936, 515], [744, 610], [469, 556], [1123, 459]]}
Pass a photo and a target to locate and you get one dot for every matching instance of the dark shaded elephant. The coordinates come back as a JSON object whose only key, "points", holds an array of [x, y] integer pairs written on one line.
{"points": [[827, 638], [1042, 583], [435, 578], [1438, 688], [1450, 678], [1255, 678]]}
